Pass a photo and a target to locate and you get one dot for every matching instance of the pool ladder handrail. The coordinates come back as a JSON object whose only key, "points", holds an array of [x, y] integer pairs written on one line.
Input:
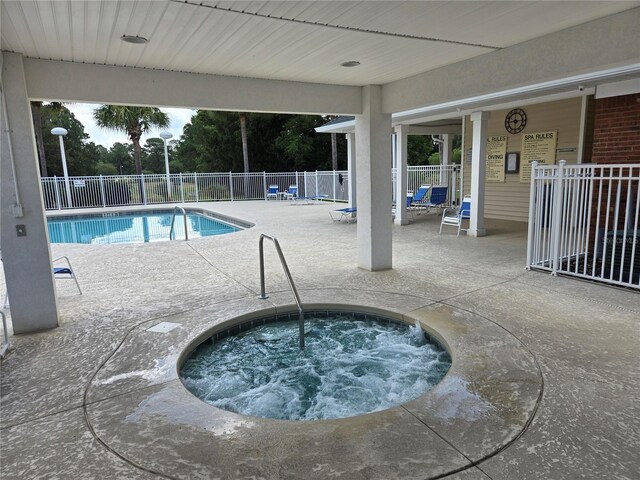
{"points": [[173, 218], [264, 296]]}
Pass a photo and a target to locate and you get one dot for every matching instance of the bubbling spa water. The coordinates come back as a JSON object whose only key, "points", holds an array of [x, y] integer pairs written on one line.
{"points": [[351, 365]]}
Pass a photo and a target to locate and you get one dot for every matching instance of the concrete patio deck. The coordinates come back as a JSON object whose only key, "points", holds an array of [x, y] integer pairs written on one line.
{"points": [[98, 396]]}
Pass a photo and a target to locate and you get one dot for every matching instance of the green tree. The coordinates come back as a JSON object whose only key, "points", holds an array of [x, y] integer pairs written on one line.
{"points": [[134, 121], [212, 142], [105, 168], [419, 149], [153, 155], [120, 155], [78, 161], [94, 155], [304, 149]]}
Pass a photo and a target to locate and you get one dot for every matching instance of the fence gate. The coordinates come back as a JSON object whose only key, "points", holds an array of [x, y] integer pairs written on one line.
{"points": [[583, 221]]}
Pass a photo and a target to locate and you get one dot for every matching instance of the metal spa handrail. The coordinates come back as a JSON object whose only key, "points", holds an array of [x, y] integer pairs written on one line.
{"points": [[184, 215], [263, 295]]}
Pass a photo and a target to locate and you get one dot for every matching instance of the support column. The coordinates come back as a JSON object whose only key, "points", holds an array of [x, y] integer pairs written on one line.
{"points": [[402, 184], [373, 156], [352, 169], [447, 149], [26, 255], [478, 155], [447, 157]]}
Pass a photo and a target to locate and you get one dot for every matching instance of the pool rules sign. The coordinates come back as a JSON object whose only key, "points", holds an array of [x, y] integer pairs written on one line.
{"points": [[496, 153], [540, 147]]}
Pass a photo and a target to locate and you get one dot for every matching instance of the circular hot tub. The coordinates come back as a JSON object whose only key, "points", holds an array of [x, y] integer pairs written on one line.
{"points": [[352, 364], [138, 406]]}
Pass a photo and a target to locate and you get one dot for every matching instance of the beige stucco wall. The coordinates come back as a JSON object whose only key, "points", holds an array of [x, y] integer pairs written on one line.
{"points": [[510, 200]]}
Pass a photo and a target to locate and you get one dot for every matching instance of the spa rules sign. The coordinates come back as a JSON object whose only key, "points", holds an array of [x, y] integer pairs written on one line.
{"points": [[496, 152], [540, 147]]}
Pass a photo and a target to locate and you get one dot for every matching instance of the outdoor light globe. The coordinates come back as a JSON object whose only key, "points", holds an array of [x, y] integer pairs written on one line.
{"points": [[58, 131], [166, 135]]}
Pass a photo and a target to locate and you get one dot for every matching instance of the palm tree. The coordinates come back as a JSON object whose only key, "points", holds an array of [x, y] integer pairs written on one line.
{"points": [[245, 150], [334, 151], [134, 121]]}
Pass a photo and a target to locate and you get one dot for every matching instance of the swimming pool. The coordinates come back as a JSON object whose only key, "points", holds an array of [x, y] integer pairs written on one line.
{"points": [[134, 227]]}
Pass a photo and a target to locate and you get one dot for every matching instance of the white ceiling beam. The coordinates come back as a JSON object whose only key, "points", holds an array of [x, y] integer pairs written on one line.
{"points": [[75, 82], [607, 43], [436, 130]]}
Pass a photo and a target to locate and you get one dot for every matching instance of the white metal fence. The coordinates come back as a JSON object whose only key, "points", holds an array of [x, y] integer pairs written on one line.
{"points": [[449, 175], [584, 221], [118, 190]]}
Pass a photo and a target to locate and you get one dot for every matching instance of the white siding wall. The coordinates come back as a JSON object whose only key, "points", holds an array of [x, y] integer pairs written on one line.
{"points": [[510, 200]]}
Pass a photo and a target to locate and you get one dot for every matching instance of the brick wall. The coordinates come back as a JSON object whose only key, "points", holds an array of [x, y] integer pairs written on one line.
{"points": [[616, 135], [616, 140]]}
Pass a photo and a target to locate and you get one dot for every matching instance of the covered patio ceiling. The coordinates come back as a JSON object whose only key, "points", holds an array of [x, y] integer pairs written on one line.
{"points": [[300, 41]]}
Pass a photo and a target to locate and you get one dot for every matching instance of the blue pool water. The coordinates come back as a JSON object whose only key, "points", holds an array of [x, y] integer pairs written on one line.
{"points": [[135, 227], [349, 367]]}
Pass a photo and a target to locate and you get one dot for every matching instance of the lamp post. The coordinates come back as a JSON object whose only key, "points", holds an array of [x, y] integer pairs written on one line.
{"points": [[61, 132], [166, 136]]}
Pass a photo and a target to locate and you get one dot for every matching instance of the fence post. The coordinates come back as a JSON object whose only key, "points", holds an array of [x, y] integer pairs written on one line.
{"points": [[453, 189], [532, 215], [556, 223], [334, 186], [57, 190], [104, 203], [144, 190], [264, 183], [304, 194], [231, 186], [195, 181], [181, 189], [317, 193]]}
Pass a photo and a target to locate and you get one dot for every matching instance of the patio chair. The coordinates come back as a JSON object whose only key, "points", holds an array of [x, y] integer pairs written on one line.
{"points": [[292, 193], [438, 197], [456, 215], [410, 197], [347, 213], [61, 273], [419, 198], [273, 192], [65, 273], [313, 200]]}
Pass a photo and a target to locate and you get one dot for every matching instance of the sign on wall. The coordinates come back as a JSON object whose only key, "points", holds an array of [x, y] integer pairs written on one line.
{"points": [[496, 152], [540, 147]]}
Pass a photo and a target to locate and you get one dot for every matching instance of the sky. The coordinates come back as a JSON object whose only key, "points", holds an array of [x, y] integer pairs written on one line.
{"points": [[84, 114]]}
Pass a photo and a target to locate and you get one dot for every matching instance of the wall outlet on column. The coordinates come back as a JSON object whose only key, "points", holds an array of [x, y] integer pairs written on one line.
{"points": [[21, 230]]}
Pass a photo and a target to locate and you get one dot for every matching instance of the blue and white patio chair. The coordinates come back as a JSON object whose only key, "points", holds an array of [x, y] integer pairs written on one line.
{"points": [[454, 216], [273, 192], [410, 197], [292, 193], [313, 200], [60, 273], [438, 197], [419, 198], [65, 273], [347, 213]]}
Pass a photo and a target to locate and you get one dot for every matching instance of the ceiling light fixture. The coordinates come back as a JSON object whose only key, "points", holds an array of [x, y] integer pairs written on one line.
{"points": [[135, 39], [350, 63]]}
